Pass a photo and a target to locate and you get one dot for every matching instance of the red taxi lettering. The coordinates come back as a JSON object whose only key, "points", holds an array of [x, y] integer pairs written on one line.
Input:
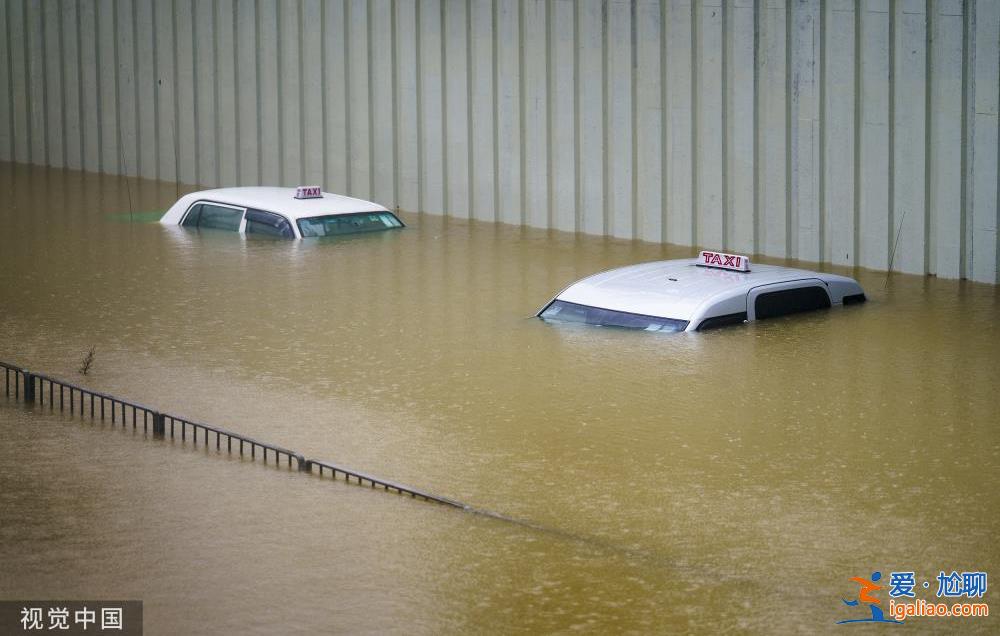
{"points": [[308, 192], [725, 261]]}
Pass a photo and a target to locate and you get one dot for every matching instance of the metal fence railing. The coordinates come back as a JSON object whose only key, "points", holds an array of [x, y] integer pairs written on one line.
{"points": [[44, 390], [362, 478]]}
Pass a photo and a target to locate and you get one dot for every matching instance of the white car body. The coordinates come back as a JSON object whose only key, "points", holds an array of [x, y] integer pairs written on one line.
{"points": [[685, 291], [275, 200]]}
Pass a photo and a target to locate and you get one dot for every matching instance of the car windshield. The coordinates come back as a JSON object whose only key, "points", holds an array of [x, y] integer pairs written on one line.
{"points": [[562, 311], [336, 224]]}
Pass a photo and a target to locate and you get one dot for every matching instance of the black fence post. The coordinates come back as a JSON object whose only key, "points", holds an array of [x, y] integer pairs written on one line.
{"points": [[159, 425], [29, 386]]}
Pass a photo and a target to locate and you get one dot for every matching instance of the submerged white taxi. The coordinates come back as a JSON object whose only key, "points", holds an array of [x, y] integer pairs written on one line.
{"points": [[301, 212], [694, 294]]}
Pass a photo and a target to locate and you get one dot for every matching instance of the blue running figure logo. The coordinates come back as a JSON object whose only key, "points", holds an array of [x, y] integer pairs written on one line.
{"points": [[864, 596]]}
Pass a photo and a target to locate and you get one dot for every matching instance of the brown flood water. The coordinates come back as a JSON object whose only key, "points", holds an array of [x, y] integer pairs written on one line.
{"points": [[727, 481]]}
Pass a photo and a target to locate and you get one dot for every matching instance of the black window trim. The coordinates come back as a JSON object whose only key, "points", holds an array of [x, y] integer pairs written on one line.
{"points": [[248, 210], [222, 203], [722, 320]]}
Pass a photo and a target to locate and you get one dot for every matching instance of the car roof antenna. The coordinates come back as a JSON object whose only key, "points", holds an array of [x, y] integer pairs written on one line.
{"points": [[892, 254], [124, 172]]}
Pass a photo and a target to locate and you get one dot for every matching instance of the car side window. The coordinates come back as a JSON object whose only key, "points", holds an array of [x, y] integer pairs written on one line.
{"points": [[193, 216], [268, 224], [722, 321], [220, 217], [790, 301]]}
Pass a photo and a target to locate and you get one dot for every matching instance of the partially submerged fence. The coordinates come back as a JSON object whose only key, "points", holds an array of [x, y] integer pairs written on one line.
{"points": [[44, 390]]}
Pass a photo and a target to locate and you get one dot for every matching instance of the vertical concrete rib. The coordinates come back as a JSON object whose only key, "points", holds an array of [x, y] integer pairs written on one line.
{"points": [[372, 155], [420, 107], [118, 151], [63, 105], [577, 185], [495, 68], [196, 138], [348, 145], [9, 150], [873, 129], [696, 199], [858, 124], [984, 241], [216, 119], [634, 99], [79, 87], [394, 72], [968, 123], [726, 63], [303, 122], [25, 85], [709, 130], [589, 104], [470, 138], [480, 111], [279, 97], [445, 180], [891, 211], [323, 105], [549, 105], [156, 92], [664, 123], [135, 87], [647, 120], [604, 115], [39, 80], [789, 182], [521, 110], [756, 126], [259, 91], [823, 131], [929, 238], [238, 93], [176, 89], [740, 119]]}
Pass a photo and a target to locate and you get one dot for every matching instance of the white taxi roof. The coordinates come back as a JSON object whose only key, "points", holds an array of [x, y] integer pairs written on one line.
{"points": [[272, 199], [682, 290]]}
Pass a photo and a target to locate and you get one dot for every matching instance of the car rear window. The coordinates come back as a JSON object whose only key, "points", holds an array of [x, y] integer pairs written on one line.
{"points": [[337, 224], [563, 311]]}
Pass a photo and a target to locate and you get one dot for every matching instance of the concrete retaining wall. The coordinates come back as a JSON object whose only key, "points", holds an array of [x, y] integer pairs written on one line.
{"points": [[807, 129]]}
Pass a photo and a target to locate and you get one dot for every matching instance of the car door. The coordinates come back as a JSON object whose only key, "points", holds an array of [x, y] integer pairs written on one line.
{"points": [[789, 297]]}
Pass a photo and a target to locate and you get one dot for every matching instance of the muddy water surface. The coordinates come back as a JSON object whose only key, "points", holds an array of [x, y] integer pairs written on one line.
{"points": [[732, 480]]}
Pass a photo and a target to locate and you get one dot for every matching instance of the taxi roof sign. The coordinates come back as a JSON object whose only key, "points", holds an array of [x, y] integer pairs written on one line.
{"points": [[734, 262], [308, 192]]}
